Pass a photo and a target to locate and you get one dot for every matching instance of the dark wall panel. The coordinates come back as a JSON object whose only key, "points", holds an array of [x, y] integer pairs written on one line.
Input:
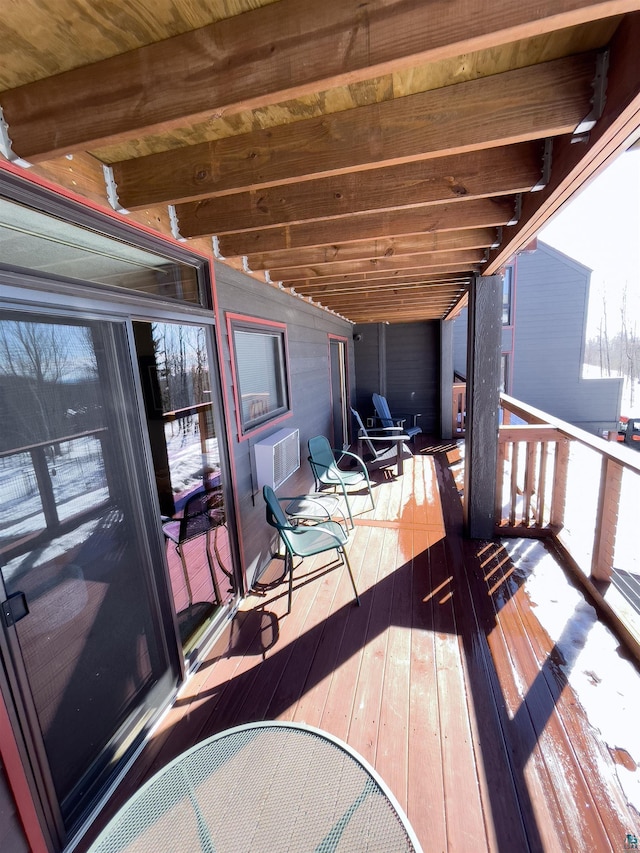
{"points": [[308, 330], [413, 371], [367, 359], [401, 361]]}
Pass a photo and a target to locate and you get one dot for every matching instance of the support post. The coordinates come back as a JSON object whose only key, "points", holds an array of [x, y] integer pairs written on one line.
{"points": [[484, 339], [607, 520], [446, 379]]}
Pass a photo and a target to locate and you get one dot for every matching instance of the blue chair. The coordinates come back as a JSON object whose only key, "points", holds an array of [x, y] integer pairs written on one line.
{"points": [[326, 471], [384, 416], [305, 541]]}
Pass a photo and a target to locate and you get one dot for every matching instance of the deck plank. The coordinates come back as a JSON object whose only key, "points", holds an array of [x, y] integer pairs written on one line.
{"points": [[442, 679]]}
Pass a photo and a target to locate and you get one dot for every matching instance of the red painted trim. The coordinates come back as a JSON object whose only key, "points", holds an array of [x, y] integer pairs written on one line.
{"points": [[18, 783], [228, 420], [259, 323]]}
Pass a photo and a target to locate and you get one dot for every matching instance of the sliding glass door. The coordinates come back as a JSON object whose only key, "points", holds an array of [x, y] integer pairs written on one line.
{"points": [[87, 614], [173, 359]]}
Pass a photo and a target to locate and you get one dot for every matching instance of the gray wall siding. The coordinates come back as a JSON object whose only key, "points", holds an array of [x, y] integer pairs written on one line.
{"points": [[401, 361], [308, 330], [551, 302], [550, 315]]}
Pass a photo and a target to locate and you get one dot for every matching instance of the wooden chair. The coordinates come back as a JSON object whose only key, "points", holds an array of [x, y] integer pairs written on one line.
{"points": [[390, 443], [384, 416]]}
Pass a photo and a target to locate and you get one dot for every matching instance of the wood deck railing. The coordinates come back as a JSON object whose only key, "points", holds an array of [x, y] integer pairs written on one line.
{"points": [[556, 480]]}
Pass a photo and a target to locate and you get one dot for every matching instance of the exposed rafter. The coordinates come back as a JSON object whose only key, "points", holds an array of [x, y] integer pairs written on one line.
{"points": [[476, 174], [370, 157]]}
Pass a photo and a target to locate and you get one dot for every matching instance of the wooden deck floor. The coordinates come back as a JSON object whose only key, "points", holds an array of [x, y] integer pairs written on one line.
{"points": [[442, 679]]}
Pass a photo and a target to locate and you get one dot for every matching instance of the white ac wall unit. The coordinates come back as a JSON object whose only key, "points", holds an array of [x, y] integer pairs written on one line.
{"points": [[277, 457]]}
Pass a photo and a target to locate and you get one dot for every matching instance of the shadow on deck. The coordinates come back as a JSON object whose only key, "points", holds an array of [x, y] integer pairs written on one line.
{"points": [[443, 679]]}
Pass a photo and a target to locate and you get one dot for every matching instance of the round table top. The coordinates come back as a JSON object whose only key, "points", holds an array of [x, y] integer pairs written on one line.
{"points": [[262, 787]]}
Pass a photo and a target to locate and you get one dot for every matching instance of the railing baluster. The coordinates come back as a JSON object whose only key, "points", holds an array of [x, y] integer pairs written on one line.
{"points": [[514, 482], [542, 483], [502, 461], [529, 480]]}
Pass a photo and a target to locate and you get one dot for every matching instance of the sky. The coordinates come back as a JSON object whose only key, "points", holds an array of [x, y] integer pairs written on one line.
{"points": [[600, 228]]}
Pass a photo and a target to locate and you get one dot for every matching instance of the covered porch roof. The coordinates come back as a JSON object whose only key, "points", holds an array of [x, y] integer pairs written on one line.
{"points": [[373, 157]]}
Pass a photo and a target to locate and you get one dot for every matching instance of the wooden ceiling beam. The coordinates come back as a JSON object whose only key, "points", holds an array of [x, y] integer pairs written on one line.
{"points": [[395, 307], [354, 294], [445, 241], [409, 276], [475, 174], [477, 213], [535, 102], [280, 51], [411, 316], [381, 285], [390, 299], [574, 164], [437, 260], [333, 290]]}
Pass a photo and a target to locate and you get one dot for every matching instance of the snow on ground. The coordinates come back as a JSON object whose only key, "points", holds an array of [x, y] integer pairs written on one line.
{"points": [[606, 685]]}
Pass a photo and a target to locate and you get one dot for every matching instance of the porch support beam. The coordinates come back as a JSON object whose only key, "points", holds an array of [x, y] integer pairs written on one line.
{"points": [[479, 213], [474, 174], [265, 56], [483, 400], [380, 285], [413, 244], [536, 102], [446, 379], [468, 258]]}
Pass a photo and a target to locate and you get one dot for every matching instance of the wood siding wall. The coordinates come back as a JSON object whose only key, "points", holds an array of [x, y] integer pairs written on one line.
{"points": [[308, 330], [401, 361]]}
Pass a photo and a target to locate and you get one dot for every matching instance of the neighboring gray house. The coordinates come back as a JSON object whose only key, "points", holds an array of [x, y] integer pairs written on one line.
{"points": [[544, 315]]}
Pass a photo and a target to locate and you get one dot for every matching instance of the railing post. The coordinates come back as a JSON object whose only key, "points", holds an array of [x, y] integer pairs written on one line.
{"points": [[606, 520], [559, 495], [45, 486]]}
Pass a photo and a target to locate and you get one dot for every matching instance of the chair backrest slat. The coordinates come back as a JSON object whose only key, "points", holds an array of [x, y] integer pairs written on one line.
{"points": [[363, 434], [382, 409]]}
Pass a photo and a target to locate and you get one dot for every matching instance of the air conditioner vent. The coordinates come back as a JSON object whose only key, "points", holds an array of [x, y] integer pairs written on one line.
{"points": [[277, 457]]}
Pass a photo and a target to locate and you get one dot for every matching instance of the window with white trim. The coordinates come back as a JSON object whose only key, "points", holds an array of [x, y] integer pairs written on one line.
{"points": [[259, 351]]}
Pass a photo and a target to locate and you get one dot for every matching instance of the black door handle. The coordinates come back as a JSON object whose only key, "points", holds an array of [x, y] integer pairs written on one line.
{"points": [[15, 608]]}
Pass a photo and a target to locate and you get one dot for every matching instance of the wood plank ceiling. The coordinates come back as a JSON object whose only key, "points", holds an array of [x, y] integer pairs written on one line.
{"points": [[373, 156]]}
